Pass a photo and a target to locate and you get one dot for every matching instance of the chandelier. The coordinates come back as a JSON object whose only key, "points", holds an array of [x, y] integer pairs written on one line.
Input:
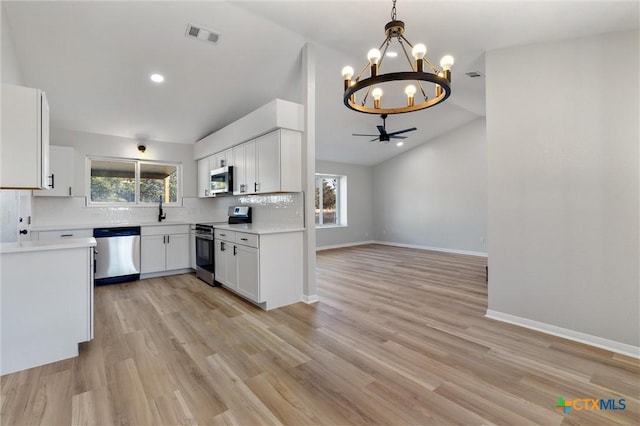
{"points": [[440, 78]]}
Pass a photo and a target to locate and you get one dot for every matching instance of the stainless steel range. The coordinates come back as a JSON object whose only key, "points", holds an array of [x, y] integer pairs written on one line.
{"points": [[205, 262]]}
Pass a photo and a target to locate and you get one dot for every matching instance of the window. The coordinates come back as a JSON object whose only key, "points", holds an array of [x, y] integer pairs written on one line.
{"points": [[115, 181], [158, 182], [331, 200]]}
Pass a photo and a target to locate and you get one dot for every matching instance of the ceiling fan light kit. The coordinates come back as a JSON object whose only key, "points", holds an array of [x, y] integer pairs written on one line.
{"points": [[439, 77]]}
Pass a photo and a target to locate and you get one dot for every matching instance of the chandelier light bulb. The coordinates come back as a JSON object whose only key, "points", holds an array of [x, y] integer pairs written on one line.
{"points": [[418, 51], [410, 90], [447, 62], [376, 94], [374, 56], [347, 72]]}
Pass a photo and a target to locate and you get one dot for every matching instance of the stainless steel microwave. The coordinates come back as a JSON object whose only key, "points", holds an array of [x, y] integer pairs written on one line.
{"points": [[221, 182]]}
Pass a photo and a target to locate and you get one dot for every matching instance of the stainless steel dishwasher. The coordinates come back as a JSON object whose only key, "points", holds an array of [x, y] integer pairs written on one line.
{"points": [[117, 254]]}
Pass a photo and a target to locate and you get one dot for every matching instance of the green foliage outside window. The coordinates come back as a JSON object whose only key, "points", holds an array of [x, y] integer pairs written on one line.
{"points": [[114, 181]]}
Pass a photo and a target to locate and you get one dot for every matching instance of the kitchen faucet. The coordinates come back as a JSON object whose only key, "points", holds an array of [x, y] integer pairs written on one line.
{"points": [[161, 214]]}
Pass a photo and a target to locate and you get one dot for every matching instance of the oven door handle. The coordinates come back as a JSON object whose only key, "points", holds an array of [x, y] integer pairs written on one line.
{"points": [[205, 237]]}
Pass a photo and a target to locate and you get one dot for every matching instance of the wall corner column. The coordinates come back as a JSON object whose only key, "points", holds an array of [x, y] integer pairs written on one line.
{"points": [[309, 170]]}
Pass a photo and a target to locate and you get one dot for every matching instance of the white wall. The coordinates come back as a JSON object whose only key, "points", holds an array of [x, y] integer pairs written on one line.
{"points": [[10, 201], [278, 209], [435, 195], [359, 205], [91, 144], [562, 126], [51, 211], [11, 73]]}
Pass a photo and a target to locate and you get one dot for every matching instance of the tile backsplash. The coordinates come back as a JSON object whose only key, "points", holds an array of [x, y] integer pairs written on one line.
{"points": [[271, 209]]}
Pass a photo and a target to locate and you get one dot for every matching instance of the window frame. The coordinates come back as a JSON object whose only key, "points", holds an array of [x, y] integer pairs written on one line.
{"points": [[137, 166], [341, 200]]}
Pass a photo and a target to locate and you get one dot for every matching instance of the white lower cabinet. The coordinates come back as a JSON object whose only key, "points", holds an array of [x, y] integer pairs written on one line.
{"points": [[265, 269], [178, 251], [46, 304], [248, 277], [62, 234], [164, 248]]}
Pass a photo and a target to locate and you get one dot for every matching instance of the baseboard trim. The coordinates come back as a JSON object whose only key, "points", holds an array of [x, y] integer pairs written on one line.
{"points": [[310, 299], [165, 273], [335, 246], [419, 247], [588, 339]]}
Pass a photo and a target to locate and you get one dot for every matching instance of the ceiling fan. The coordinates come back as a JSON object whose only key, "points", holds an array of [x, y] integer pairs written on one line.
{"points": [[384, 136]]}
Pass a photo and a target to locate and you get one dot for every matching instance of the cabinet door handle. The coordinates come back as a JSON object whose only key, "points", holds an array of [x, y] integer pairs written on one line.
{"points": [[235, 250], [243, 239], [255, 187], [66, 235], [222, 246], [23, 232], [69, 191], [53, 181], [168, 239], [223, 235], [243, 187], [164, 239]]}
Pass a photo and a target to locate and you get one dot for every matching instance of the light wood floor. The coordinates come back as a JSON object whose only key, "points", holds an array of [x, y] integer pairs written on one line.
{"points": [[398, 337]]}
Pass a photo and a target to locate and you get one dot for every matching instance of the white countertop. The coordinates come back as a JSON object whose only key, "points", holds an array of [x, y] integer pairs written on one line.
{"points": [[252, 228], [47, 245], [36, 228]]}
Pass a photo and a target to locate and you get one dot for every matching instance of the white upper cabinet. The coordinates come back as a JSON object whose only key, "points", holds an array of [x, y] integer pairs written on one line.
{"points": [[25, 139], [244, 168], [204, 177], [61, 172], [221, 159], [270, 163]]}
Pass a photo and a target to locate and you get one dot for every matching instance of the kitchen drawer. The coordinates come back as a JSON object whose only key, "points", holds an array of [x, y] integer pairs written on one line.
{"points": [[224, 234], [164, 230], [69, 233], [245, 239]]}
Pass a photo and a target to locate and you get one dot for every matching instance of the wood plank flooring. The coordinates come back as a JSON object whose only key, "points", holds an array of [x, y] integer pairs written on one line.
{"points": [[398, 337]]}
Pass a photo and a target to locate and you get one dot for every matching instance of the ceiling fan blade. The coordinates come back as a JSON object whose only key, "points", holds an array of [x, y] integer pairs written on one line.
{"points": [[402, 131], [361, 134], [381, 130], [375, 139], [397, 137]]}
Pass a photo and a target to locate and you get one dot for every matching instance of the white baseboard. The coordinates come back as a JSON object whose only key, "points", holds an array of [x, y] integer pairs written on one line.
{"points": [[447, 250], [310, 299], [165, 273], [588, 339], [334, 246]]}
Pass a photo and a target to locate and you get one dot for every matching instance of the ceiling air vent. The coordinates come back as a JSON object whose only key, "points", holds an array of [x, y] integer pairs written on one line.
{"points": [[474, 74], [202, 34]]}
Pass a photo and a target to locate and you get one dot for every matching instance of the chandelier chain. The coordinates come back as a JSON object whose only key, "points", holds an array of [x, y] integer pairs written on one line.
{"points": [[393, 11]]}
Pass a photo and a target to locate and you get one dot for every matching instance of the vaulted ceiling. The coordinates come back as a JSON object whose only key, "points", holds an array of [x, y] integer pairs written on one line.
{"points": [[94, 60]]}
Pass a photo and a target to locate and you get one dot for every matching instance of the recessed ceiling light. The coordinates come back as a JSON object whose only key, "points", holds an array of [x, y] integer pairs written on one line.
{"points": [[399, 143], [392, 54], [157, 78]]}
